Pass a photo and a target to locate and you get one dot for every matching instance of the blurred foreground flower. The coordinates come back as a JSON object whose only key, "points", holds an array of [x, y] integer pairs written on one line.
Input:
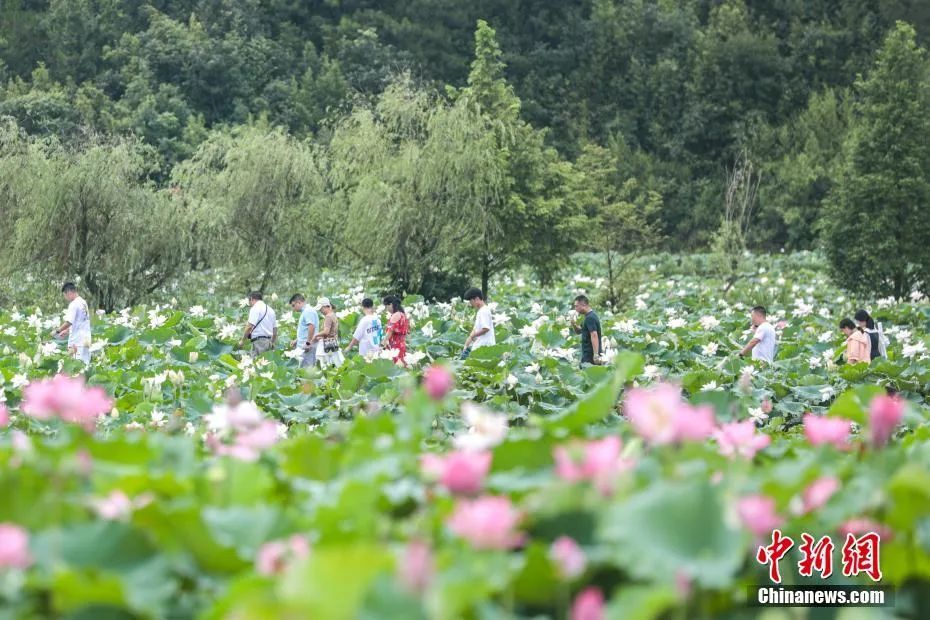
{"points": [[568, 557], [598, 461], [66, 398], [589, 605], [460, 472], [660, 416], [273, 557], [14, 547], [821, 430], [885, 413], [438, 381], [489, 522]]}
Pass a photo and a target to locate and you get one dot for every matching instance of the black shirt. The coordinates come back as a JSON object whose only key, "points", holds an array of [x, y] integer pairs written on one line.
{"points": [[591, 324], [873, 338]]}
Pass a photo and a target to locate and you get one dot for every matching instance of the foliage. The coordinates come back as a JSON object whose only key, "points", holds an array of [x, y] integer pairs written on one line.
{"points": [[88, 213], [876, 231], [336, 516]]}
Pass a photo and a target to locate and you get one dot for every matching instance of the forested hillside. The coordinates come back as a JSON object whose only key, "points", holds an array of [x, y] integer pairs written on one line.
{"points": [[674, 92]]}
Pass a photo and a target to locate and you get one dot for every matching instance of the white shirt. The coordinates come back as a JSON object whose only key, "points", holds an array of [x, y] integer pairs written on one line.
{"points": [[79, 317], [262, 326], [483, 319], [368, 333], [765, 348]]}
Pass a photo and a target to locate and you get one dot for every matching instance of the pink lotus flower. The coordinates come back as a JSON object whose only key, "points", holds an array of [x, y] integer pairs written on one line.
{"points": [[4, 416], [14, 547], [273, 557], [821, 430], [864, 525], [438, 381], [589, 605], [568, 557], [757, 513], [885, 413], [416, 566], [660, 416], [598, 461], [460, 472], [489, 522], [818, 493], [66, 398], [740, 438], [766, 406], [115, 506]]}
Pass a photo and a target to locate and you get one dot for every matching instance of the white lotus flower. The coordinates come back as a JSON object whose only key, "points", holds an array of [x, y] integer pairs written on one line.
{"points": [[710, 349], [243, 302], [176, 377], [292, 354], [388, 354], [228, 331], [814, 362], [528, 331], [19, 381], [428, 329], [677, 323], [532, 368], [197, 311], [414, 357], [757, 414], [912, 350], [916, 296], [564, 332], [48, 348], [651, 371], [709, 322], [710, 386], [827, 392], [825, 337], [511, 381], [626, 327], [156, 320], [485, 429]]}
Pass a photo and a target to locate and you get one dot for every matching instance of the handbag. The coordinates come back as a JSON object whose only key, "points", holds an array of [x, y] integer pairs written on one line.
{"points": [[330, 345]]}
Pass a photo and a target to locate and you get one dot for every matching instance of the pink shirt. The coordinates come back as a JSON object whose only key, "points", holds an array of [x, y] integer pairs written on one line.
{"points": [[858, 348]]}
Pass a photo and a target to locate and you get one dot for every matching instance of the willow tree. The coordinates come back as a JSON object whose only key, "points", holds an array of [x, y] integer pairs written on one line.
{"points": [[255, 195], [402, 173], [89, 211], [527, 218]]}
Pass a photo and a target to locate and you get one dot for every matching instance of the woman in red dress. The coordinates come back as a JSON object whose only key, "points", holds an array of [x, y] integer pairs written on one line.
{"points": [[397, 328]]}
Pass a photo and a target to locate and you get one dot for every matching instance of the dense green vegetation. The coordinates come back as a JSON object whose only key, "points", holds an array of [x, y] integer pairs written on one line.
{"points": [[409, 141]]}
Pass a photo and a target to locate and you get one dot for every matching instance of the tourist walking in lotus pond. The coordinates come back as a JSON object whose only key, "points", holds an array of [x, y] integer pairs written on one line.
{"points": [[762, 343], [368, 332], [328, 352], [590, 329], [858, 346], [307, 326], [482, 334], [76, 324], [874, 331], [397, 328], [262, 326]]}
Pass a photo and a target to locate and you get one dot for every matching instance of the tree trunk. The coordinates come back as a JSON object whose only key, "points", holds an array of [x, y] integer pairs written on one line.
{"points": [[611, 292], [485, 276]]}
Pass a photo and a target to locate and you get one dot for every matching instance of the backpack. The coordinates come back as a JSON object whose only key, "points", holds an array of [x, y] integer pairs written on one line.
{"points": [[882, 341]]}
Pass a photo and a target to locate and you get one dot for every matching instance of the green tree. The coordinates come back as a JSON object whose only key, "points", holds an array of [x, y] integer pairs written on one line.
{"points": [[876, 230], [620, 220], [255, 193], [506, 221], [88, 211]]}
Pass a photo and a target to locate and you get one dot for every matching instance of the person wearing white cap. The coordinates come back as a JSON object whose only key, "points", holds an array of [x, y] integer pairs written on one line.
{"points": [[328, 352]]}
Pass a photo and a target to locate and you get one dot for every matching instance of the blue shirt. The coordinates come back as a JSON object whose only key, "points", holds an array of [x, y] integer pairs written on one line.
{"points": [[307, 318]]}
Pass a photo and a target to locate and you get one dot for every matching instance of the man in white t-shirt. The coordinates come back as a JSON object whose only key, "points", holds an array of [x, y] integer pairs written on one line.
{"points": [[262, 326], [762, 344], [368, 332], [76, 324], [483, 333]]}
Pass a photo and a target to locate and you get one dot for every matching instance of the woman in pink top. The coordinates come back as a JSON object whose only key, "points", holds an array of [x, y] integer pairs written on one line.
{"points": [[858, 345]]}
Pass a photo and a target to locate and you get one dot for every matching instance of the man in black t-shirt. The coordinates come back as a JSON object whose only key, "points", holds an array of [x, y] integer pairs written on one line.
{"points": [[590, 330]]}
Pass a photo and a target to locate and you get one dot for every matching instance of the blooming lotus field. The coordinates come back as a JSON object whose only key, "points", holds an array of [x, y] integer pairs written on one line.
{"points": [[179, 477]]}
